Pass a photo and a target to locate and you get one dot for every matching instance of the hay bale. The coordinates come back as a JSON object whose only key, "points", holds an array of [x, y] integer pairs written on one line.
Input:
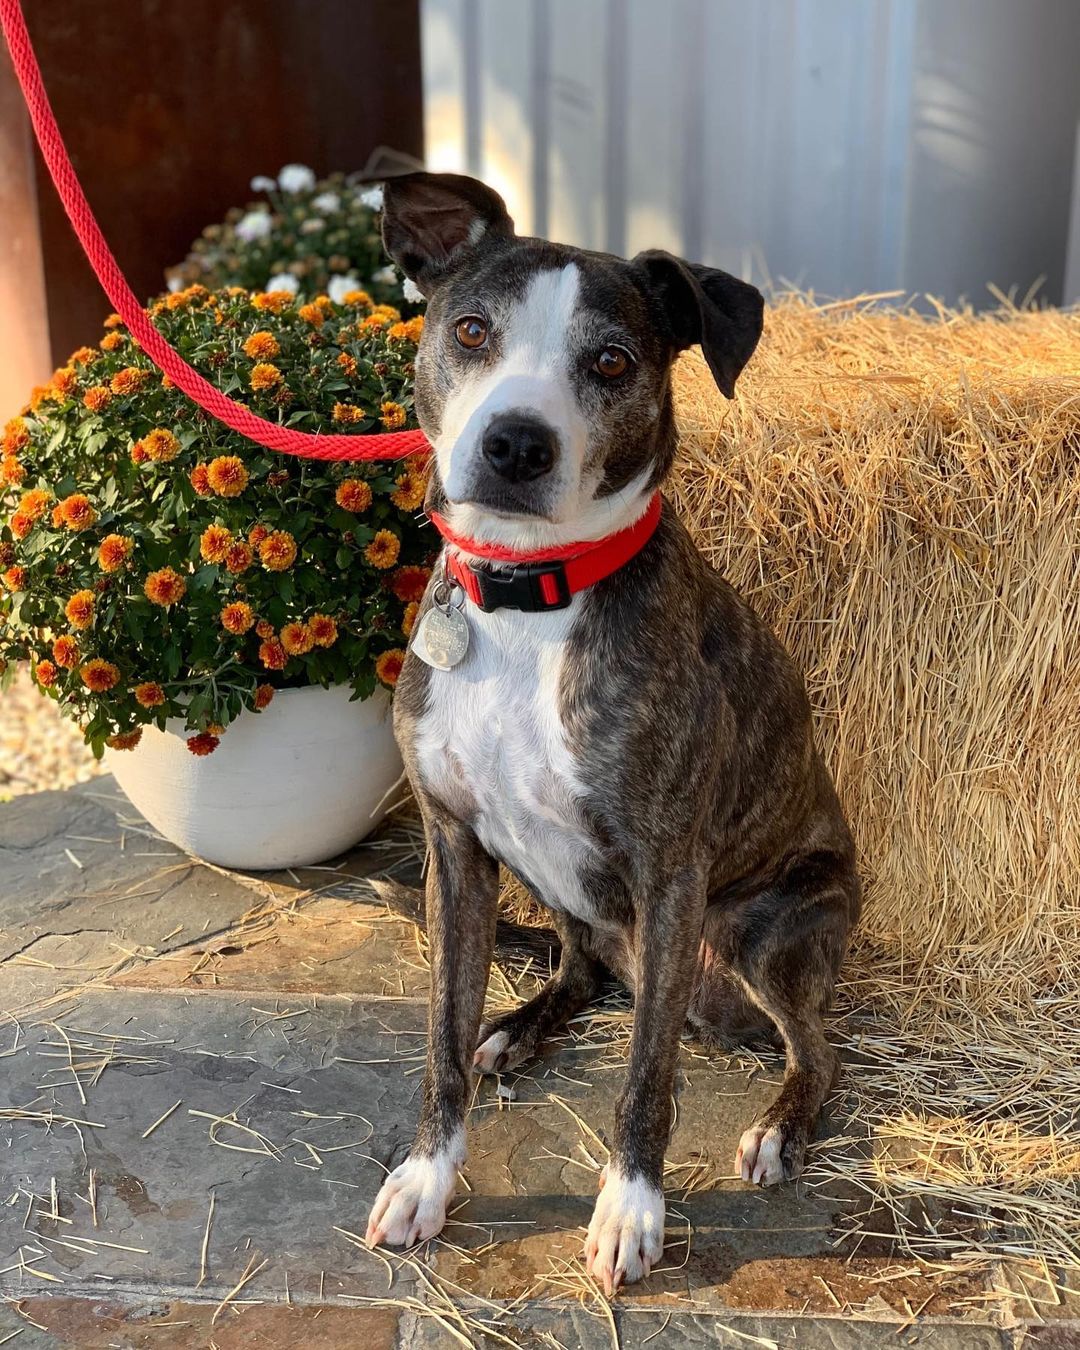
{"points": [[899, 496]]}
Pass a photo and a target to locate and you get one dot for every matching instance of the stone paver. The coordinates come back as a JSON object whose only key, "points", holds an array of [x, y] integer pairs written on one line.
{"points": [[225, 1111]]}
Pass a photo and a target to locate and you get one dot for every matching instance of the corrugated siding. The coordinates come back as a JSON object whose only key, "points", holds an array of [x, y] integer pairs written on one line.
{"points": [[836, 144]]}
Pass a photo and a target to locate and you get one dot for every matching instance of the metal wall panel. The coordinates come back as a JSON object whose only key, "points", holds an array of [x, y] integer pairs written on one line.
{"points": [[841, 145]]}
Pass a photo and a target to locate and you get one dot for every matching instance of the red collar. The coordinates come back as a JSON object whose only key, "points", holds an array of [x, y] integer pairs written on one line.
{"points": [[548, 578]]}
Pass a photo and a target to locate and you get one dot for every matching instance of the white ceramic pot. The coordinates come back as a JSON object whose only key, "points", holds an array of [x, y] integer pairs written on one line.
{"points": [[298, 783]]}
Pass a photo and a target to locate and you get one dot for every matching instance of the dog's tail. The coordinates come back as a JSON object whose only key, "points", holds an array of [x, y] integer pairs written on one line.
{"points": [[516, 939]]}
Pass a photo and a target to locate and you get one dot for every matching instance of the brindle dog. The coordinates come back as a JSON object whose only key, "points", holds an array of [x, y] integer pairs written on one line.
{"points": [[642, 758]]}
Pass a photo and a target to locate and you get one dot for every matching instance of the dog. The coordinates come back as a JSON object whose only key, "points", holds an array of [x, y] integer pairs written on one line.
{"points": [[588, 703]]}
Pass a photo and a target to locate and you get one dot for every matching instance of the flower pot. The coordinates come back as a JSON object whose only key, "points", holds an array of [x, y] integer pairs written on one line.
{"points": [[298, 783]]}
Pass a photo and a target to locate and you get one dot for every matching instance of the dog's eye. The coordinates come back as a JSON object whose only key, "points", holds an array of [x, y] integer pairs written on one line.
{"points": [[611, 363], [471, 332]]}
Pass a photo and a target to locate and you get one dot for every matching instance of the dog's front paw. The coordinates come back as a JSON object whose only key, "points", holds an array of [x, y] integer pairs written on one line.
{"points": [[768, 1154], [411, 1206], [626, 1232]]}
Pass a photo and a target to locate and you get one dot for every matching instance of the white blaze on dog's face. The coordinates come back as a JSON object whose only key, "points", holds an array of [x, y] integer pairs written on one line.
{"points": [[543, 375]]}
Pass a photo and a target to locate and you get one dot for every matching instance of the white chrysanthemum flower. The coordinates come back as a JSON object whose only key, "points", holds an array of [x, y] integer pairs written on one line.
{"points": [[385, 276], [283, 281], [296, 178], [175, 284], [255, 225], [340, 287], [412, 292], [372, 198], [326, 202], [260, 183], [312, 226]]}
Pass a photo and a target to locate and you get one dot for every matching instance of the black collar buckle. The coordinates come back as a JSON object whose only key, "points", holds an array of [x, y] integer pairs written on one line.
{"points": [[524, 586]]}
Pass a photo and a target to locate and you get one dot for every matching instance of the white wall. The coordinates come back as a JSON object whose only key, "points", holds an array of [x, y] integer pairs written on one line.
{"points": [[845, 145]]}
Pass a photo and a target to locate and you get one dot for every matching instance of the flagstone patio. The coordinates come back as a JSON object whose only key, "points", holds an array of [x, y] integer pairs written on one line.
{"points": [[205, 1074]]}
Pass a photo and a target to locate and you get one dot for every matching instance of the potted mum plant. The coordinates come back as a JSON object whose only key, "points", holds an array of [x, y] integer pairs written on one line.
{"points": [[305, 235], [226, 622]]}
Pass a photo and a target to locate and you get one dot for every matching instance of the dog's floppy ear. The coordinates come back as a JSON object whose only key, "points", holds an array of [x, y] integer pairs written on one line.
{"points": [[705, 305], [429, 218]]}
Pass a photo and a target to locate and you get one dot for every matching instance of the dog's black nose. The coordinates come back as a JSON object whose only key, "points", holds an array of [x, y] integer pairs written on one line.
{"points": [[519, 448]]}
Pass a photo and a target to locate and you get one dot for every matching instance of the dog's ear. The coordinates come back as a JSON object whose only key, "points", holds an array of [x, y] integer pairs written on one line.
{"points": [[704, 305], [431, 218]]}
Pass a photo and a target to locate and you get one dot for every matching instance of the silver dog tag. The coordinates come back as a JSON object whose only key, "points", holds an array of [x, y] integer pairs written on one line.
{"points": [[442, 638]]}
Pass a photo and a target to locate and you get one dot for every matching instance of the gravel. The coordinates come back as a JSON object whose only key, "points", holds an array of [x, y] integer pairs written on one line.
{"points": [[39, 749]]}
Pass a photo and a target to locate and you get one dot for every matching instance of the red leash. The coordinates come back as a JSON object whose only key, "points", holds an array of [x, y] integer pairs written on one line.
{"points": [[394, 445]]}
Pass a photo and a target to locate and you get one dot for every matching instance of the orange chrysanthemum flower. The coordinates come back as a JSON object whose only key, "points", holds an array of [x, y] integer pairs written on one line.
{"points": [[11, 471], [81, 356], [21, 524], [347, 364], [125, 740], [383, 550], [114, 321], [203, 744], [409, 492], [161, 445], [374, 323], [164, 587], [138, 453], [16, 436], [227, 475], [265, 376], [76, 512], [200, 480], [111, 342], [129, 380], [274, 301], [278, 551], [238, 617], [408, 619], [239, 557], [264, 630], [348, 413], [100, 676], [15, 578], [356, 298], [35, 503], [113, 551], [415, 328], [324, 630], [65, 652], [272, 654], [46, 673], [149, 694], [353, 495], [264, 693], [257, 534], [214, 543], [65, 381], [388, 666], [393, 416], [410, 583], [296, 638], [312, 314], [262, 346], [80, 609], [97, 399]]}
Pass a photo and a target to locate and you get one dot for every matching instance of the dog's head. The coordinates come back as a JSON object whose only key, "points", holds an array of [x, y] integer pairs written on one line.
{"points": [[543, 375]]}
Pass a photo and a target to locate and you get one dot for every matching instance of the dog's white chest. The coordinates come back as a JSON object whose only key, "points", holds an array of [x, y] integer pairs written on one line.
{"points": [[491, 743]]}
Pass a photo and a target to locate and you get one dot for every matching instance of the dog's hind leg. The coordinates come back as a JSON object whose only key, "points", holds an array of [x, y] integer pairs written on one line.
{"points": [[784, 948], [515, 1037]]}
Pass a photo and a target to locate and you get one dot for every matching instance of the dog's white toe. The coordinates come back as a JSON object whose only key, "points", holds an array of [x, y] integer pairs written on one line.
{"points": [[758, 1157], [411, 1206], [626, 1232], [486, 1059]]}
